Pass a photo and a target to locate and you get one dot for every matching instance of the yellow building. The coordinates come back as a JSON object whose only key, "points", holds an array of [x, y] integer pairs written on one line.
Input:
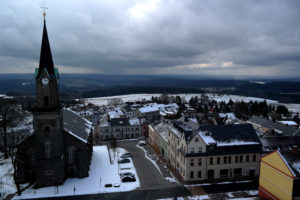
{"points": [[280, 175]]}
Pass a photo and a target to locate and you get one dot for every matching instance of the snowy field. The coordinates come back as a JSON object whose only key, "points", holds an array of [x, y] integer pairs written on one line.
{"points": [[218, 97], [102, 172]]}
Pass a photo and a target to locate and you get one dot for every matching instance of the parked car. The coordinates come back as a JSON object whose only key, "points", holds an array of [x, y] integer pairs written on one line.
{"points": [[126, 155], [127, 177], [142, 143], [125, 160]]}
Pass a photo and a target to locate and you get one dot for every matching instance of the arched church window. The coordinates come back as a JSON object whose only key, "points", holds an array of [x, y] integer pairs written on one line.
{"points": [[71, 155], [46, 101], [48, 149]]}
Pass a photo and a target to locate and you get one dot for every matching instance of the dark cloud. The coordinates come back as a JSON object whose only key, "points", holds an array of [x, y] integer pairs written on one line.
{"points": [[152, 36]]}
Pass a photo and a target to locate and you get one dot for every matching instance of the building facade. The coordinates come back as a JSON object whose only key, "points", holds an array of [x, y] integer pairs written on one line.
{"points": [[120, 128]]}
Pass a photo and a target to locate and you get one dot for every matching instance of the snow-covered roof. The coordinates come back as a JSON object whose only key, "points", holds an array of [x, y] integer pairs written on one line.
{"points": [[76, 126], [134, 121], [148, 109], [207, 138], [290, 123], [228, 115], [176, 132], [115, 113], [229, 135]]}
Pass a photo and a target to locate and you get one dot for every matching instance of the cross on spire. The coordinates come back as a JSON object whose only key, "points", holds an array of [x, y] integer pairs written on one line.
{"points": [[44, 10]]}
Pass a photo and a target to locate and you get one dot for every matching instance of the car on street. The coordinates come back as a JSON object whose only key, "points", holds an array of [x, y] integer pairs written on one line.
{"points": [[142, 143], [124, 160]]}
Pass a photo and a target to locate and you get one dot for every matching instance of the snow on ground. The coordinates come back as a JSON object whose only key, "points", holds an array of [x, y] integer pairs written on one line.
{"points": [[218, 97], [102, 172], [7, 184], [130, 97]]}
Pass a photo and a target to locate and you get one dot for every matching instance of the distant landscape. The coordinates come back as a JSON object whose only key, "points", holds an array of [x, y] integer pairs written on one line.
{"points": [[99, 85]]}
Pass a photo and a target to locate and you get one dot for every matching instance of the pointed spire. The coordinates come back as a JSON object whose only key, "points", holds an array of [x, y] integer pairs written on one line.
{"points": [[46, 61]]}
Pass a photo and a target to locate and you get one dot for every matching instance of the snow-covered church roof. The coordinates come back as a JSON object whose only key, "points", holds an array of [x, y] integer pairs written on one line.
{"points": [[76, 126]]}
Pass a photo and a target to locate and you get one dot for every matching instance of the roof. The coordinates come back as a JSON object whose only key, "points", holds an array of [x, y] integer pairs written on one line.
{"points": [[162, 130], [279, 143], [134, 121], [46, 61], [277, 126], [290, 123], [148, 109], [119, 122], [292, 160], [76, 125], [229, 135]]}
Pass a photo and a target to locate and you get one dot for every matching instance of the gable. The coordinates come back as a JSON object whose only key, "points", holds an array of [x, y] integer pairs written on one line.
{"points": [[276, 161]]}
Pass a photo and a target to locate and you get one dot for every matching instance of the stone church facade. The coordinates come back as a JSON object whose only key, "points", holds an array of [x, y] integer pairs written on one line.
{"points": [[61, 145]]}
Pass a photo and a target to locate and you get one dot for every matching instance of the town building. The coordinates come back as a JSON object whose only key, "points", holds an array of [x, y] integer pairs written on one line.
{"points": [[218, 152], [158, 138], [61, 145], [120, 128]]}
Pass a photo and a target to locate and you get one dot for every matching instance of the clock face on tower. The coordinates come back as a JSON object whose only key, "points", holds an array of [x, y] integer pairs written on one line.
{"points": [[45, 81]]}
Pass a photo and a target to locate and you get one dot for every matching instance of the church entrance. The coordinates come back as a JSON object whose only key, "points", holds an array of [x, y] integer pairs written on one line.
{"points": [[71, 172], [31, 177]]}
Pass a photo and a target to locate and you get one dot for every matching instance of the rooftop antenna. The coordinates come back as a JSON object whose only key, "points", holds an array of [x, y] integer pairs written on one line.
{"points": [[44, 10]]}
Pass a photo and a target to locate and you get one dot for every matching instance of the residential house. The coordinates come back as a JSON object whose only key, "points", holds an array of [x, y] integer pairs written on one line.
{"points": [[219, 152]]}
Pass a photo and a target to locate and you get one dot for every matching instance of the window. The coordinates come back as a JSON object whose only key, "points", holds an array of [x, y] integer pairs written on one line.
{"points": [[237, 172], [218, 160], [247, 158], [46, 101], [48, 150], [32, 155], [229, 159], [196, 139], [236, 159], [211, 160], [192, 162], [241, 158], [225, 159], [199, 161], [71, 155], [192, 150], [254, 158], [223, 173], [49, 175], [192, 174], [199, 174], [200, 149]]}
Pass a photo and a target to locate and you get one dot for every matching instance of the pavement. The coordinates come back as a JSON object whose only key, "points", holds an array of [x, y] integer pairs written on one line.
{"points": [[150, 177]]}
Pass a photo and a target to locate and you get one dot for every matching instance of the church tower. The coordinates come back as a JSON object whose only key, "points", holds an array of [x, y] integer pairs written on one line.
{"points": [[48, 120]]}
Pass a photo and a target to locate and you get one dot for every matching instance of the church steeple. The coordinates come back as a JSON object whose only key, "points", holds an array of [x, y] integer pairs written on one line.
{"points": [[46, 61], [46, 77]]}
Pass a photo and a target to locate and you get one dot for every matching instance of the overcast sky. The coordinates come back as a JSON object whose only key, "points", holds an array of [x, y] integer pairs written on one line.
{"points": [[201, 37]]}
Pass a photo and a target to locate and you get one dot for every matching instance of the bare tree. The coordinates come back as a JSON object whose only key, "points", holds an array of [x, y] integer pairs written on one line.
{"points": [[14, 163], [10, 117]]}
